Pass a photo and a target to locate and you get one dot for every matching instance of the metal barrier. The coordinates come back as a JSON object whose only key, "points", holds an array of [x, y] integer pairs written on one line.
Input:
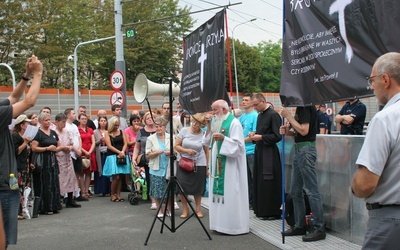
{"points": [[345, 216]]}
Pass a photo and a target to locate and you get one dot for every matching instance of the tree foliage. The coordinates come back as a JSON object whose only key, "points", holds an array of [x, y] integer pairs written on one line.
{"points": [[257, 67], [51, 29]]}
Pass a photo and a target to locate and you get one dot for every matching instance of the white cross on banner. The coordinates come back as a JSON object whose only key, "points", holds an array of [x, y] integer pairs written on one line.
{"points": [[203, 76]]}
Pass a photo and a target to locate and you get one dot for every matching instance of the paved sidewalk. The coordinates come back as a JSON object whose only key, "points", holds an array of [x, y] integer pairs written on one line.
{"points": [[102, 224], [270, 231]]}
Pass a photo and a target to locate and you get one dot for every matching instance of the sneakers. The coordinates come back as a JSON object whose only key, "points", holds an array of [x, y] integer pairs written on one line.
{"points": [[153, 206], [295, 231], [176, 207], [314, 236]]}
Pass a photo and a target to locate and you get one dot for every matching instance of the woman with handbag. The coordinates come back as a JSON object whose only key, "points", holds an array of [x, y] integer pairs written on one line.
{"points": [[101, 183], [192, 162], [139, 152], [88, 147], [117, 163], [45, 181], [158, 152]]}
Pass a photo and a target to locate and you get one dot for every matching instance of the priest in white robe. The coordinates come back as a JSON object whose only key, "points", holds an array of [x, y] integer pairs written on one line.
{"points": [[228, 190]]}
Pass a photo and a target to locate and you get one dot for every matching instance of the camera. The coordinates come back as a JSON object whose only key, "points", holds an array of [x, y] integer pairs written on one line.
{"points": [[70, 58]]}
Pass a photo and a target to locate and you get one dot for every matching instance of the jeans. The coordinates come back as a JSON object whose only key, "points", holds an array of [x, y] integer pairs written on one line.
{"points": [[304, 176], [9, 200], [250, 169]]}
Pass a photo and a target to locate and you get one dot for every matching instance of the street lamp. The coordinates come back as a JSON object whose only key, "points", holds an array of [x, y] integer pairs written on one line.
{"points": [[75, 58], [234, 59]]}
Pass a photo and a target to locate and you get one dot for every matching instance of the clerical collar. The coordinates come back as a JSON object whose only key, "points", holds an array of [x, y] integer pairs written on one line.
{"points": [[262, 112]]}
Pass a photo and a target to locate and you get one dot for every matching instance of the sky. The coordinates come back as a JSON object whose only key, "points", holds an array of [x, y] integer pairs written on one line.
{"points": [[268, 14]]}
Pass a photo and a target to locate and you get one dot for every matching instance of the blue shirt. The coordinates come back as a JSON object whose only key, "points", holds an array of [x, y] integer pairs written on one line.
{"points": [[249, 124]]}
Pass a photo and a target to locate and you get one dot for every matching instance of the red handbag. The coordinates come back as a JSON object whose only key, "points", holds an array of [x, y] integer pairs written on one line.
{"points": [[187, 164]]}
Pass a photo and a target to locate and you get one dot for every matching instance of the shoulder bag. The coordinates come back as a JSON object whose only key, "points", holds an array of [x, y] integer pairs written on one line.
{"points": [[187, 164]]}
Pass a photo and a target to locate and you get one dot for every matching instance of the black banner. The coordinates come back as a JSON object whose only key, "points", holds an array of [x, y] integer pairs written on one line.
{"points": [[203, 76], [330, 46]]}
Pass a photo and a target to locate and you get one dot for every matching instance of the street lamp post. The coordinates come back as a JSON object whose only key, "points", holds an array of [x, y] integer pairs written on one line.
{"points": [[234, 59], [76, 87]]}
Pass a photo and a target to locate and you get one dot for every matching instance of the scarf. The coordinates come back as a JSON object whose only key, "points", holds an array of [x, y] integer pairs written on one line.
{"points": [[219, 170]]}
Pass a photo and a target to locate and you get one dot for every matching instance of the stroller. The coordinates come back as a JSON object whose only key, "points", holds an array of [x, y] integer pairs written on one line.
{"points": [[139, 186]]}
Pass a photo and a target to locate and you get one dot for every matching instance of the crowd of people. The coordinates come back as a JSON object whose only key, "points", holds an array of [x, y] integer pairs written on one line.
{"points": [[236, 151]]}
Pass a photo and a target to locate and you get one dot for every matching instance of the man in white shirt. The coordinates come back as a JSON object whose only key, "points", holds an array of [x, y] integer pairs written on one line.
{"points": [[76, 140], [117, 111]]}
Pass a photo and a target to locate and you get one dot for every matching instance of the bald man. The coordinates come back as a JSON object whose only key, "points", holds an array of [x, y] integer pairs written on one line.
{"points": [[100, 113]]}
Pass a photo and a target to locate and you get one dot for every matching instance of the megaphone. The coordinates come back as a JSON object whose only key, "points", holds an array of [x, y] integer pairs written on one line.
{"points": [[142, 88]]}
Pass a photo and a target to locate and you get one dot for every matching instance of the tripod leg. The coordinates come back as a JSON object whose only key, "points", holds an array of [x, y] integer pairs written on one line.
{"points": [[165, 197], [194, 211]]}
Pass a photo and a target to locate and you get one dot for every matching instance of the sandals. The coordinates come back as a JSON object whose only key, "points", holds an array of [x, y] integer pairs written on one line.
{"points": [[199, 214], [114, 198]]}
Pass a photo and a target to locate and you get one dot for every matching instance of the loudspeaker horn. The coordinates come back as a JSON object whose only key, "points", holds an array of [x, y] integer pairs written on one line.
{"points": [[142, 88]]}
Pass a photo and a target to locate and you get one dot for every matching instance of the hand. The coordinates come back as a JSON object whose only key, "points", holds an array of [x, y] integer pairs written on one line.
{"points": [[208, 118], [167, 153], [255, 137], [27, 139], [35, 65], [218, 136], [51, 148], [191, 152], [121, 154], [347, 119], [284, 112], [284, 129]]}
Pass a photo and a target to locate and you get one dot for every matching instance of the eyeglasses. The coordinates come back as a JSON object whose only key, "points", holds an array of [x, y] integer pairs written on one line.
{"points": [[370, 79], [255, 105]]}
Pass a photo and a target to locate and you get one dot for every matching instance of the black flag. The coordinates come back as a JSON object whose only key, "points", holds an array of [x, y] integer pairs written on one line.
{"points": [[203, 76], [330, 46]]}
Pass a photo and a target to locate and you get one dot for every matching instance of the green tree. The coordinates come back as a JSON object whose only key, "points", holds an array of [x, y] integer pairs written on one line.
{"points": [[271, 64], [248, 66], [51, 29]]}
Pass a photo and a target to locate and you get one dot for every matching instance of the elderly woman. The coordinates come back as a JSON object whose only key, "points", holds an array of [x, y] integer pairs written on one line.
{"points": [[140, 148], [188, 144], [67, 177], [157, 152], [117, 144], [45, 181]]}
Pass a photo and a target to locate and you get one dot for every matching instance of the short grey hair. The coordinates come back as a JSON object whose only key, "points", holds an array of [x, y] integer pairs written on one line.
{"points": [[43, 115], [389, 63]]}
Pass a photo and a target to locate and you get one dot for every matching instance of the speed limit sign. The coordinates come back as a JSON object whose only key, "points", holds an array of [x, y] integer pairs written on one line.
{"points": [[117, 80]]}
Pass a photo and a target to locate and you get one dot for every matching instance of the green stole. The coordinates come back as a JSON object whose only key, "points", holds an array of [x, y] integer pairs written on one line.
{"points": [[219, 172]]}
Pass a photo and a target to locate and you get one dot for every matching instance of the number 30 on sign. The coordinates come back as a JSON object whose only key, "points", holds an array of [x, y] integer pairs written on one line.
{"points": [[117, 80]]}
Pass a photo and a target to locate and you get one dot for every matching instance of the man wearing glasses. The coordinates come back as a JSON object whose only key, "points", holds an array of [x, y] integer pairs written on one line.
{"points": [[352, 117], [378, 174], [267, 165]]}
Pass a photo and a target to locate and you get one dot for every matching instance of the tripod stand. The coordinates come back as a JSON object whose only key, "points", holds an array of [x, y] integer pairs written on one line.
{"points": [[170, 191]]}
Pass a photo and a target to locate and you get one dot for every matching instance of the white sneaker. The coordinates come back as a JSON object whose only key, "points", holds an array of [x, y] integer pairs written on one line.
{"points": [[160, 215], [153, 206], [176, 206]]}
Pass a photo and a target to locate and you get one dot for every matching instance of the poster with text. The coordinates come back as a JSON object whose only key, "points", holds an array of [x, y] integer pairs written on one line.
{"points": [[329, 47], [203, 76]]}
